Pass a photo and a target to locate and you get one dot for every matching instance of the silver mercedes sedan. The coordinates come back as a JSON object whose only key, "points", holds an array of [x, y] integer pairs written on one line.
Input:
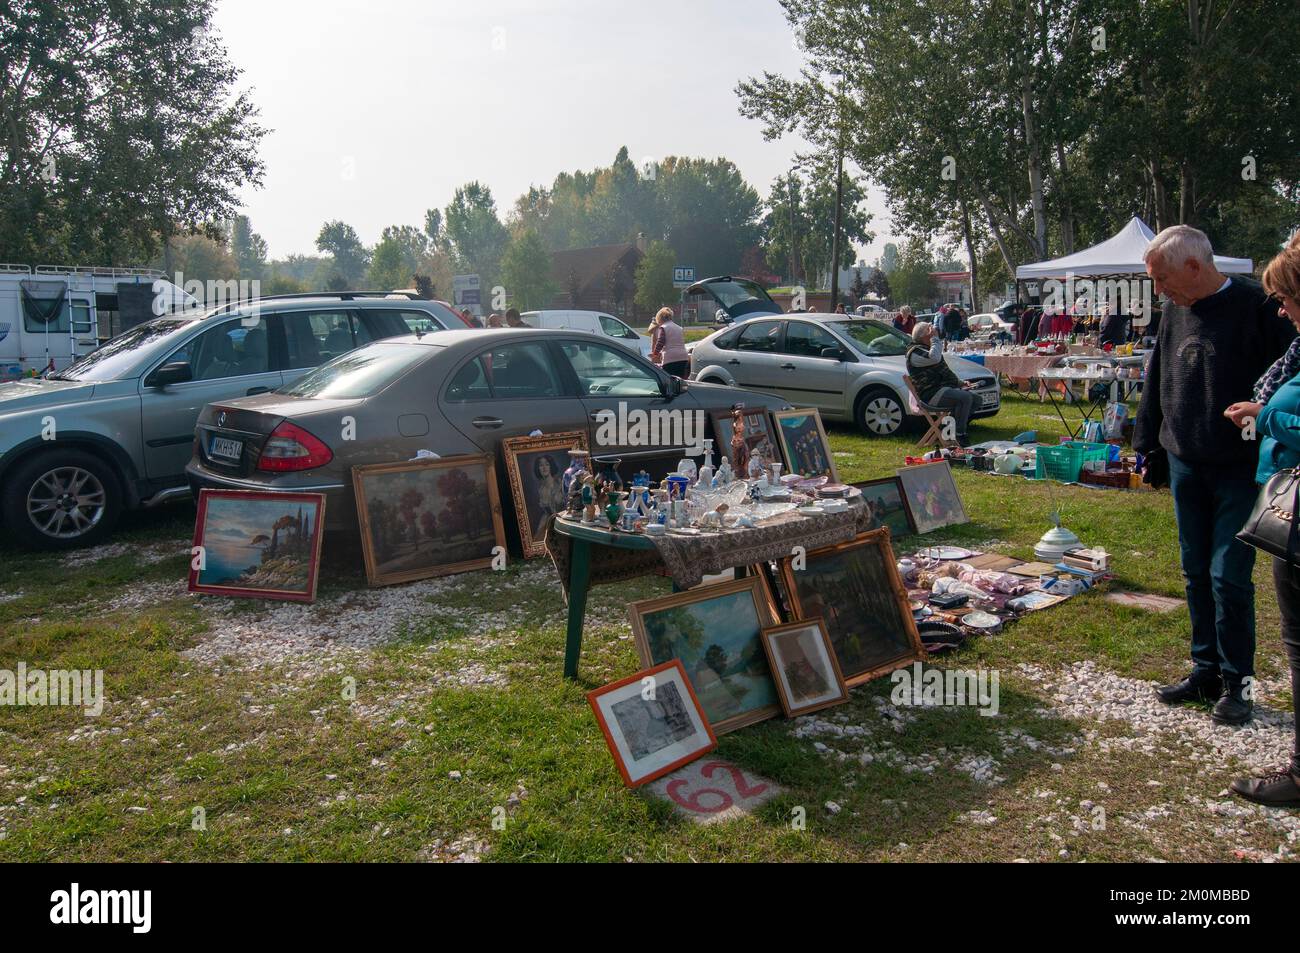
{"points": [[850, 369]]}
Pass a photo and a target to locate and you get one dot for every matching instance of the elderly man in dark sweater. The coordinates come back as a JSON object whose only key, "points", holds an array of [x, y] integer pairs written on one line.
{"points": [[1210, 350]]}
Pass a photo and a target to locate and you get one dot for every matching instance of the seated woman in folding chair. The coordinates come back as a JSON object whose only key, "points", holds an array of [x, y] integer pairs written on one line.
{"points": [[936, 385]]}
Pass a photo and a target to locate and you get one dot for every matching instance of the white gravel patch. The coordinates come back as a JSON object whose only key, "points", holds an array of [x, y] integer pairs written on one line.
{"points": [[1087, 693], [358, 620], [145, 555]]}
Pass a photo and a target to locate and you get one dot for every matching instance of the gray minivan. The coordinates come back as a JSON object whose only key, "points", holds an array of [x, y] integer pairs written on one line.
{"points": [[114, 430]]}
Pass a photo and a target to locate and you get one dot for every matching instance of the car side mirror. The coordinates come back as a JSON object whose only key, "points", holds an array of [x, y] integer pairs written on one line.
{"points": [[672, 387], [834, 353], [177, 372]]}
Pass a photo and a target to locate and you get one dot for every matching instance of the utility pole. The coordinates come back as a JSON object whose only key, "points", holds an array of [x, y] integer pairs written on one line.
{"points": [[839, 193]]}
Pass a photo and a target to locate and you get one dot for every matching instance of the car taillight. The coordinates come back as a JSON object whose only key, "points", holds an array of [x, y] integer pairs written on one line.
{"points": [[291, 448]]}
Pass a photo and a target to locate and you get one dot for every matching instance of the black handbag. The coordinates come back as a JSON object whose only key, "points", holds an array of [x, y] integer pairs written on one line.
{"points": [[1274, 524]]}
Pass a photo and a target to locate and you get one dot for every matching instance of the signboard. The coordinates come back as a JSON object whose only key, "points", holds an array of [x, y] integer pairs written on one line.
{"points": [[466, 293], [683, 276]]}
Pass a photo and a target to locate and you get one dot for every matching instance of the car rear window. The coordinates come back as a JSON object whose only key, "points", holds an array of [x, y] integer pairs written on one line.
{"points": [[360, 373]]}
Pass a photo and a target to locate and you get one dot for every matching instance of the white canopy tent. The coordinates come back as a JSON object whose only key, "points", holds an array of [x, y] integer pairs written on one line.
{"points": [[1121, 254]]}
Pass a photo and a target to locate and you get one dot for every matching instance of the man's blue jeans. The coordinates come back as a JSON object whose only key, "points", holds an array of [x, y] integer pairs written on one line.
{"points": [[1211, 505]]}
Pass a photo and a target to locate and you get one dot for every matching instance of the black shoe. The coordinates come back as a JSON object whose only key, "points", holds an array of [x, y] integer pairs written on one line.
{"points": [[1274, 790], [963, 440], [1194, 688], [1232, 708]]}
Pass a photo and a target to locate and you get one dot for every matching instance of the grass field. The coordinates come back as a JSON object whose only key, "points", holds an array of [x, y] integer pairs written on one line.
{"points": [[231, 730]]}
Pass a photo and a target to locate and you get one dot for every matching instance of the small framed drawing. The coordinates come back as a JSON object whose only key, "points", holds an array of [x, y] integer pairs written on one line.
{"points": [[427, 518], [716, 631], [257, 545], [803, 442], [535, 468], [756, 437], [932, 496], [855, 588], [887, 505], [804, 666], [652, 722]]}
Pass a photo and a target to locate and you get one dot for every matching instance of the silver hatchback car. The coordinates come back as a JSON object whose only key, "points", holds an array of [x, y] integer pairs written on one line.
{"points": [[114, 430], [850, 369]]}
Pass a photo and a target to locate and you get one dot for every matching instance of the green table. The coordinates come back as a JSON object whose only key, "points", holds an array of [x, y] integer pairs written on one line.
{"points": [[582, 538]]}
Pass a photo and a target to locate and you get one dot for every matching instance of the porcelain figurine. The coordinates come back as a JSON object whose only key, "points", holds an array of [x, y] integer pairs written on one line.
{"points": [[578, 464], [739, 449], [725, 476], [706, 468]]}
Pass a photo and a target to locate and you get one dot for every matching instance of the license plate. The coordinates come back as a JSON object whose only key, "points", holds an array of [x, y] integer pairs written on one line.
{"points": [[226, 448], [988, 400]]}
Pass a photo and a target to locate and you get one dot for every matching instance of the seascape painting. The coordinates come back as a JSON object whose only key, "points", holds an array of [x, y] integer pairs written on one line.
{"points": [[258, 544]]}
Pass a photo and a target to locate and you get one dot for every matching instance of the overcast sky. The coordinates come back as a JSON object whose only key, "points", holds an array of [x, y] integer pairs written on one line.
{"points": [[379, 109]]}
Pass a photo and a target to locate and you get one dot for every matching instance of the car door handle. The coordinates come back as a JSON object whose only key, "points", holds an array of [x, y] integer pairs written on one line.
{"points": [[600, 416], [733, 361], [486, 423], [787, 367], [256, 390]]}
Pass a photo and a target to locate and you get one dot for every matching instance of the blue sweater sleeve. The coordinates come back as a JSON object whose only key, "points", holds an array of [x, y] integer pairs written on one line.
{"points": [[1281, 426]]}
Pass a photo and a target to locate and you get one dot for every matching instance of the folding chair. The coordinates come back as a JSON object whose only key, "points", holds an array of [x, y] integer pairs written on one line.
{"points": [[933, 416]]}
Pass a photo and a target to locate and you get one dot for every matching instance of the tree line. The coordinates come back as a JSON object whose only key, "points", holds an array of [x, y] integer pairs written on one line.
{"points": [[1028, 129]]}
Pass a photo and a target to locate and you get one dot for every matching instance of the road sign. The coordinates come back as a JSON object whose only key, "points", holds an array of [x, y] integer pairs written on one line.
{"points": [[683, 276], [466, 293]]}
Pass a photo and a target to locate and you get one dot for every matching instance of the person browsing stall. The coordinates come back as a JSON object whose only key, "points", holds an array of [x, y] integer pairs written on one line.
{"points": [[1209, 353], [668, 344], [935, 383], [1277, 427]]}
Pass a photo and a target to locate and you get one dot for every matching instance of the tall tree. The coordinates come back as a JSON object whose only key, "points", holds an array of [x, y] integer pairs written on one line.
{"points": [[122, 126], [247, 247], [654, 277], [477, 237], [350, 258], [526, 272]]}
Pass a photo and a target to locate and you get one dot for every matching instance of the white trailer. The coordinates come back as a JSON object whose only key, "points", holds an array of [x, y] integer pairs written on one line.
{"points": [[55, 314]]}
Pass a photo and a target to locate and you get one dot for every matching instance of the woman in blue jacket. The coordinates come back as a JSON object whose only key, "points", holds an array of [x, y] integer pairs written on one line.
{"points": [[1276, 415]]}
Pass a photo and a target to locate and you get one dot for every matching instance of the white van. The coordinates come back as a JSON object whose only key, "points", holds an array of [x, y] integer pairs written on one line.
{"points": [[56, 314], [597, 322]]}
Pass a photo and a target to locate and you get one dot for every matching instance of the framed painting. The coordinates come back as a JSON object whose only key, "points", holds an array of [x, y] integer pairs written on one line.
{"points": [[716, 631], [535, 468], [257, 545], [802, 439], [887, 505], [855, 588], [758, 437], [804, 666], [932, 496], [652, 722], [425, 518]]}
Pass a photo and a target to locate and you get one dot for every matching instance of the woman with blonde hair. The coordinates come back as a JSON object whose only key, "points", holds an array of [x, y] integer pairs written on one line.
{"points": [[668, 344], [1276, 413]]}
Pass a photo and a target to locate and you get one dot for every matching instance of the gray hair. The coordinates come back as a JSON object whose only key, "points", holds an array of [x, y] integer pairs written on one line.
{"points": [[907, 308], [922, 331], [1177, 243]]}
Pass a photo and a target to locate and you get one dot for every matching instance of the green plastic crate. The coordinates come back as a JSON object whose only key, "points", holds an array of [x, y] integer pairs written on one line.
{"points": [[1063, 462]]}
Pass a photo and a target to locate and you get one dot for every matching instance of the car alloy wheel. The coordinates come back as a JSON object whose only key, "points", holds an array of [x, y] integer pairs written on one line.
{"points": [[66, 502], [882, 415]]}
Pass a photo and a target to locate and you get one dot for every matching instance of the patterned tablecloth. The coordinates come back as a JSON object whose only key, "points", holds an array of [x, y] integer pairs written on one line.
{"points": [[1020, 366], [688, 559]]}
